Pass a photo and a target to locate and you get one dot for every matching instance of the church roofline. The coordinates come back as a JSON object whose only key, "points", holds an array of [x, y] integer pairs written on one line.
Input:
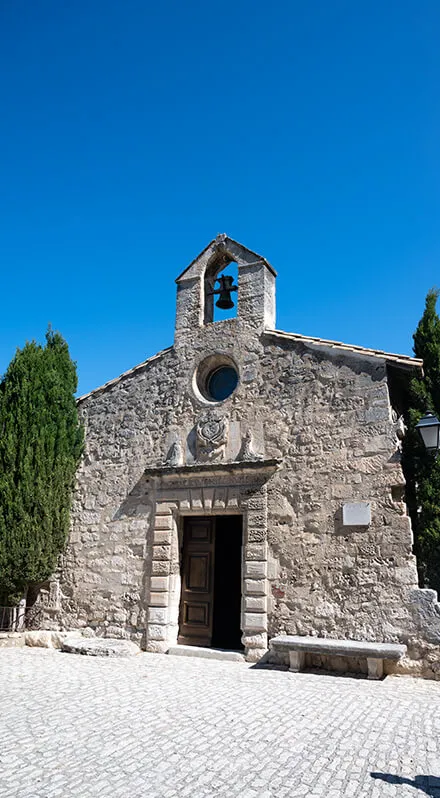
{"points": [[223, 239], [122, 376], [404, 361], [396, 359]]}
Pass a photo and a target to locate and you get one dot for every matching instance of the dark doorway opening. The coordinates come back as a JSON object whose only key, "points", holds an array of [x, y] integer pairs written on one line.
{"points": [[210, 605], [227, 582]]}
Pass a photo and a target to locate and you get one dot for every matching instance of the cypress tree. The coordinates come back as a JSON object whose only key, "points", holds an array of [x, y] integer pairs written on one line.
{"points": [[422, 470], [40, 447]]}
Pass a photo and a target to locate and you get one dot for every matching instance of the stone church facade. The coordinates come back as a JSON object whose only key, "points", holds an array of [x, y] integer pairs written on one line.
{"points": [[243, 483]]}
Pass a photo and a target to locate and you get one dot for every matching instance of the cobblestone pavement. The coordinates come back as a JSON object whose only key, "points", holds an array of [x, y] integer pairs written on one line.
{"points": [[159, 726]]}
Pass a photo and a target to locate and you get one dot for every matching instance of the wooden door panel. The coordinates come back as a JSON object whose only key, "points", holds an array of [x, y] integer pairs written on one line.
{"points": [[198, 572], [196, 605], [196, 613], [200, 532]]}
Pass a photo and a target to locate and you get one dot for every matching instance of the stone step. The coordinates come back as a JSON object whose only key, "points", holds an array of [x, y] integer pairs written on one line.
{"points": [[206, 653]]}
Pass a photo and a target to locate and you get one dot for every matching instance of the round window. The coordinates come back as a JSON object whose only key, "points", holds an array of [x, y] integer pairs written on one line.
{"points": [[216, 378], [221, 383]]}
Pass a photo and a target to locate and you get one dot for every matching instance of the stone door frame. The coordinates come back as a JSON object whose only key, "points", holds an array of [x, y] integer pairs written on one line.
{"points": [[190, 491]]}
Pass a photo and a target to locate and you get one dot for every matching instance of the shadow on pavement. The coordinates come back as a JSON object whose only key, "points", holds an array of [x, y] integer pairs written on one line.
{"points": [[430, 785]]}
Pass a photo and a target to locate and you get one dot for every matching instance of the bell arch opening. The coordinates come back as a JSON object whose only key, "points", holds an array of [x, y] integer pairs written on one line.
{"points": [[221, 290]]}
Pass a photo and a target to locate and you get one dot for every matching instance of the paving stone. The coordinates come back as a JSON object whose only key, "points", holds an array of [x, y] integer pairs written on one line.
{"points": [[177, 727]]}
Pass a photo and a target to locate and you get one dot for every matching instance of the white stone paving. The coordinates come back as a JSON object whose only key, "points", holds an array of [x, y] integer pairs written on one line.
{"points": [[159, 726]]}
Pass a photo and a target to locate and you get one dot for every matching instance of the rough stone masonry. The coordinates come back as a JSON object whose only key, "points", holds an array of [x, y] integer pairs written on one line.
{"points": [[305, 449]]}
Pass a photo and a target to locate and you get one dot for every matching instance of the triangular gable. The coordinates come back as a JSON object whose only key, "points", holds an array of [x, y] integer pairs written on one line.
{"points": [[228, 247]]}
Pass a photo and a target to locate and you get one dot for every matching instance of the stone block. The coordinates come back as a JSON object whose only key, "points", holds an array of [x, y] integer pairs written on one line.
{"points": [[159, 583], [256, 519], [255, 654], [199, 652], [160, 567], [255, 587], [255, 622], [256, 551], [163, 522], [163, 508], [100, 647], [162, 537], [39, 639], [157, 632], [158, 614], [161, 552], [159, 599], [255, 603], [255, 535], [257, 503], [12, 640], [296, 661], [255, 570], [157, 646], [258, 640], [342, 491], [375, 668], [377, 413]]}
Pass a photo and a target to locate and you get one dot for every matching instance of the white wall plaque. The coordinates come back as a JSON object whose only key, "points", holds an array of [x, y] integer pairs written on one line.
{"points": [[356, 514]]}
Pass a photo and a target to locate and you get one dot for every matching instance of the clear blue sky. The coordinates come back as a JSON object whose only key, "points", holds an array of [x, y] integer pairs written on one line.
{"points": [[133, 132]]}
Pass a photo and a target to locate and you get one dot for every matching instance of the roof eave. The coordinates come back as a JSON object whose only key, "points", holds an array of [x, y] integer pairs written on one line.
{"points": [[404, 361]]}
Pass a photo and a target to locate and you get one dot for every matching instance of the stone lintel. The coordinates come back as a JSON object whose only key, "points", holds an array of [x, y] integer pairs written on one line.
{"points": [[263, 467]]}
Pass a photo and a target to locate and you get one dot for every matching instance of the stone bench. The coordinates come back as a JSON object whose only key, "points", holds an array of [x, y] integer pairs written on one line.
{"points": [[375, 653]]}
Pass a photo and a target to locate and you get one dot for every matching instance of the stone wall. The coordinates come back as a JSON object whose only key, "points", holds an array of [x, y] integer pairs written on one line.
{"points": [[327, 416], [324, 411]]}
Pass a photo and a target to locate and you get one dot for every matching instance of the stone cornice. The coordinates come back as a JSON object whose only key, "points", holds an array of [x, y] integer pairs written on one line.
{"points": [[197, 470]]}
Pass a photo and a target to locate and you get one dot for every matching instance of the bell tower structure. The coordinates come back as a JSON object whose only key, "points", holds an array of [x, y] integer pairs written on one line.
{"points": [[196, 292]]}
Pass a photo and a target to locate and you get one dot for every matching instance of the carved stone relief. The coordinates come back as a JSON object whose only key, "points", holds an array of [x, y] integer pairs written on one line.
{"points": [[247, 449], [175, 455], [211, 438]]}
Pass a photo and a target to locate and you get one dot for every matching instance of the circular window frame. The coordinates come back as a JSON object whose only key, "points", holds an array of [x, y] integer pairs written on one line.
{"points": [[205, 371]]}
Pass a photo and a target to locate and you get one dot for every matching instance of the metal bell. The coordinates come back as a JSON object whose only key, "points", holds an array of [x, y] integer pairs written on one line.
{"points": [[224, 301]]}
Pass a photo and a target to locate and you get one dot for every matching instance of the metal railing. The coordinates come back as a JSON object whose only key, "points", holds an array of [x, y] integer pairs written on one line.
{"points": [[13, 619]]}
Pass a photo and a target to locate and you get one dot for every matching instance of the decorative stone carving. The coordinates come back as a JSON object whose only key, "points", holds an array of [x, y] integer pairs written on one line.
{"points": [[175, 455], [400, 429], [247, 451], [212, 436]]}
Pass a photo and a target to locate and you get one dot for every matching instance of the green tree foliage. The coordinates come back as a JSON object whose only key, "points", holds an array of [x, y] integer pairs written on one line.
{"points": [[40, 447], [422, 470]]}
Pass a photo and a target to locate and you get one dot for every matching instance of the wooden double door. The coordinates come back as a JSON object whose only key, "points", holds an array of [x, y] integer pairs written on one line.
{"points": [[211, 582]]}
